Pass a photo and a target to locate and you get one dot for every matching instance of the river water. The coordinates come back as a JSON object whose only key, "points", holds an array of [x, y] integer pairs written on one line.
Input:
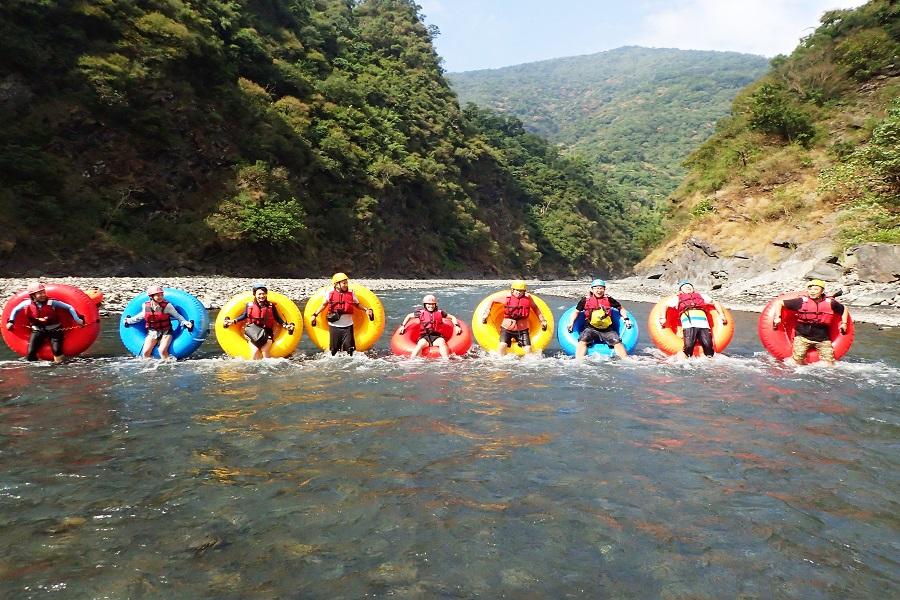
{"points": [[373, 476]]}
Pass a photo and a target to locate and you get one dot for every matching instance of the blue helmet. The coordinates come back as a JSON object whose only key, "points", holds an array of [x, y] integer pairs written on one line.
{"points": [[598, 283], [684, 282], [259, 285]]}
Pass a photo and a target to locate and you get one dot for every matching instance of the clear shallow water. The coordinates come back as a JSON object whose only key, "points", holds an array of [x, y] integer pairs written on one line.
{"points": [[321, 478]]}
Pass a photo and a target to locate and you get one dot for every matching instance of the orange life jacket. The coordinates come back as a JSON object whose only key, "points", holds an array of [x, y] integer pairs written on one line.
{"points": [[340, 302], [517, 308], [261, 315], [815, 312], [159, 321]]}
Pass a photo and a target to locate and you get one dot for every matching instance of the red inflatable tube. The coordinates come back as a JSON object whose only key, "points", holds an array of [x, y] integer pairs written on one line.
{"points": [[780, 342], [403, 344], [670, 338], [75, 339]]}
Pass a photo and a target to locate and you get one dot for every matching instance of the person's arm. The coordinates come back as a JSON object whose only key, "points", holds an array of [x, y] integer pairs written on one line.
{"points": [[237, 319], [579, 307], [135, 319], [840, 309], [673, 303], [406, 320], [170, 310], [790, 304], [60, 304], [613, 303], [15, 311], [718, 306], [318, 310], [541, 316], [457, 328], [368, 311], [280, 320]]}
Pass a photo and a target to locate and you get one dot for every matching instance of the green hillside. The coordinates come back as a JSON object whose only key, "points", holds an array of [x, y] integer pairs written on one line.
{"points": [[811, 151], [636, 112], [272, 137]]}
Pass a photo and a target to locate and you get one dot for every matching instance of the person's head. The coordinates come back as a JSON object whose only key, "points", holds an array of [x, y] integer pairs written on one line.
{"points": [[430, 302], [155, 292], [685, 287], [37, 292], [340, 281], [518, 287], [260, 290], [815, 288], [598, 287]]}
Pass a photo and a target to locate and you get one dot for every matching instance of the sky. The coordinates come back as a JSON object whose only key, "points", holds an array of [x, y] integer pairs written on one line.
{"points": [[486, 34]]}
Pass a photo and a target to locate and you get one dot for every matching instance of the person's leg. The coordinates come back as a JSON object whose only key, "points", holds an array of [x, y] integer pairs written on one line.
{"points": [[348, 340], [441, 345], [826, 352], [56, 342], [266, 349], [704, 335], [149, 344], [801, 345], [420, 345], [164, 342], [334, 339], [34, 344], [690, 341], [619, 349], [581, 350]]}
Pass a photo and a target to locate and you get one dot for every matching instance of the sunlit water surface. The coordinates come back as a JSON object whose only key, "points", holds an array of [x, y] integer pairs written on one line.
{"points": [[482, 477]]}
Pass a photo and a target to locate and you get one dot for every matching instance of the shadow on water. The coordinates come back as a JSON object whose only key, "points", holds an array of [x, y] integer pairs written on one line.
{"points": [[337, 478]]}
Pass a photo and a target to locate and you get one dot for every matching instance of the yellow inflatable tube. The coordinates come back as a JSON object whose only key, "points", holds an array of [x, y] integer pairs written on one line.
{"points": [[488, 334], [365, 332], [232, 339]]}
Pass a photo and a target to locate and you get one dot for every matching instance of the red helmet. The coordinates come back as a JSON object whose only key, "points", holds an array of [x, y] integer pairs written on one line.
{"points": [[153, 290], [429, 299], [34, 288]]}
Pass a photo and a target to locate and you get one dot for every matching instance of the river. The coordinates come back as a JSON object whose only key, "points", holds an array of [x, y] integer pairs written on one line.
{"points": [[374, 476]]}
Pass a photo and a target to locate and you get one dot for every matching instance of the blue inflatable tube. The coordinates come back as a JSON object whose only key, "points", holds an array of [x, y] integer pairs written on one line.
{"points": [[568, 341], [184, 342]]}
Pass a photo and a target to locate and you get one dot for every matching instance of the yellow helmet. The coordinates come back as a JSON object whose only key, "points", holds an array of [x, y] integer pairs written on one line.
{"points": [[517, 284], [338, 277], [817, 282]]}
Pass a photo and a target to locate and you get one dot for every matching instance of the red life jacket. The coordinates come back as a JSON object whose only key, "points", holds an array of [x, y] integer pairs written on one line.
{"points": [[690, 301], [815, 312], [36, 312], [261, 315], [592, 303], [159, 321], [517, 308], [431, 320], [340, 302]]}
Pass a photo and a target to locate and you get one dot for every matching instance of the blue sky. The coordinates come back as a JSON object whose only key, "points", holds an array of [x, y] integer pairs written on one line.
{"points": [[486, 34]]}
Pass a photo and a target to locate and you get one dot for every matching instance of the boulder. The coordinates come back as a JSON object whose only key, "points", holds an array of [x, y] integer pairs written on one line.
{"points": [[703, 245], [875, 262], [782, 243], [825, 271]]}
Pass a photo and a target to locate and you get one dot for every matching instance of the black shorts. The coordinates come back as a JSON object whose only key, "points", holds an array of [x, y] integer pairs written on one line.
{"points": [[692, 335], [37, 339], [430, 337], [341, 338], [523, 338], [592, 336]]}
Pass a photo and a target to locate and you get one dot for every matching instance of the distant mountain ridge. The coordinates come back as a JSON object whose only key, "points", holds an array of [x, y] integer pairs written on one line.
{"points": [[636, 112]]}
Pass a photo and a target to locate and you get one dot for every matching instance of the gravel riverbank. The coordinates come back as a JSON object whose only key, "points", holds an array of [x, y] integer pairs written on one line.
{"points": [[216, 291]]}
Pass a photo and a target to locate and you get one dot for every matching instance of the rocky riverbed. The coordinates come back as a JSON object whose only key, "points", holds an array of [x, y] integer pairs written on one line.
{"points": [[750, 296]]}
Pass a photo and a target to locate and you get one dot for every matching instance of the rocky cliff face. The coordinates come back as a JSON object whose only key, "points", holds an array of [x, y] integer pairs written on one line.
{"points": [[868, 273]]}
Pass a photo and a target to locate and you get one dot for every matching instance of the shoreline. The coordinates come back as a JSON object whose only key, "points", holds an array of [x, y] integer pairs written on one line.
{"points": [[215, 291]]}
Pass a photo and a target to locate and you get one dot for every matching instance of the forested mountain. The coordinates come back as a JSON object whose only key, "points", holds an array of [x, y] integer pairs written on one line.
{"points": [[810, 152], [262, 137], [636, 112]]}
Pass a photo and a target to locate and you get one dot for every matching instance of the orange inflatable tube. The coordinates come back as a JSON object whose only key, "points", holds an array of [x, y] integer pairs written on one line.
{"points": [[670, 338]]}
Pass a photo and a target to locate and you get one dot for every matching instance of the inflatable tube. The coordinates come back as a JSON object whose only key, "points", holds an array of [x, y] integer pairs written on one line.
{"points": [[569, 341], [670, 338], [75, 339], [184, 342], [232, 339], [488, 334], [403, 344], [365, 332], [780, 342]]}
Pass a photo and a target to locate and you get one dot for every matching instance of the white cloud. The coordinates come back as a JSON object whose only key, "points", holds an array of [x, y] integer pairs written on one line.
{"points": [[766, 27]]}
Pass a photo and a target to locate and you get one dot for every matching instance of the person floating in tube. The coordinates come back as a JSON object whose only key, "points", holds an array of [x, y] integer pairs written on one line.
{"points": [[690, 305], [430, 318], [341, 304], [815, 314], [598, 324], [261, 316], [516, 311], [43, 321], [157, 315]]}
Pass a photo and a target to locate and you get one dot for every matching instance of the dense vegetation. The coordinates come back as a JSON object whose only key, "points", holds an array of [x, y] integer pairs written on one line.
{"points": [[272, 137], [820, 133], [635, 112]]}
